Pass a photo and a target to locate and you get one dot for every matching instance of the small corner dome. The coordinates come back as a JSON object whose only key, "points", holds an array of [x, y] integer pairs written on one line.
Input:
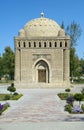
{"points": [[41, 27], [61, 32], [21, 33]]}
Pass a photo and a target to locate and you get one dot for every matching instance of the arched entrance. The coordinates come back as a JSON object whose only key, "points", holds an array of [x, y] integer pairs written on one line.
{"points": [[42, 72]]}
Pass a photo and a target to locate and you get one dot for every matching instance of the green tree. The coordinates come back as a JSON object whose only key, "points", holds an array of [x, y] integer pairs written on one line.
{"points": [[1, 68], [74, 31], [78, 97], [8, 62]]}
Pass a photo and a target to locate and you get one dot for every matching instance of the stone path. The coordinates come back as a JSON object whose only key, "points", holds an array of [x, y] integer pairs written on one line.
{"points": [[38, 105]]}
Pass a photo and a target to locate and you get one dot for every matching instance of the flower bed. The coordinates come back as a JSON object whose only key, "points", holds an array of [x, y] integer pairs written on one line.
{"points": [[3, 107]]}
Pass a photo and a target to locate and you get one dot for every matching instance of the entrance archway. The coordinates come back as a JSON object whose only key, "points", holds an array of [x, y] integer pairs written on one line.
{"points": [[42, 72]]}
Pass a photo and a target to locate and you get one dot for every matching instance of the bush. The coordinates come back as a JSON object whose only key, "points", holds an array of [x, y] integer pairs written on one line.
{"points": [[68, 108], [82, 91], [78, 96], [15, 93], [11, 89], [82, 107], [64, 96], [67, 90], [70, 100], [7, 97], [16, 97]]}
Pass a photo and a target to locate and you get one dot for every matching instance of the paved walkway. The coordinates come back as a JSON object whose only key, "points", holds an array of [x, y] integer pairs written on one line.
{"points": [[38, 105]]}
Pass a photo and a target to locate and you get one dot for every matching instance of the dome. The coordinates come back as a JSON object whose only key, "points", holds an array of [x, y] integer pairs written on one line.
{"points": [[41, 27]]}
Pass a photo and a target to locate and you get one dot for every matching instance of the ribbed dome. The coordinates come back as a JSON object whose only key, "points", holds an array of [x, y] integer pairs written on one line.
{"points": [[41, 27]]}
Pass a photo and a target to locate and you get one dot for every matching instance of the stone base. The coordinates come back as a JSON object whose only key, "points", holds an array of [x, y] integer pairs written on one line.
{"points": [[42, 85]]}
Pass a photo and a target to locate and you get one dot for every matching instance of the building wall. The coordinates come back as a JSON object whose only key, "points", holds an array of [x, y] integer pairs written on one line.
{"points": [[54, 52]]}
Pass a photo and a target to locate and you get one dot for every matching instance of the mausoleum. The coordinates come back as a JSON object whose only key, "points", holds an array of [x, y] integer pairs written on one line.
{"points": [[41, 54]]}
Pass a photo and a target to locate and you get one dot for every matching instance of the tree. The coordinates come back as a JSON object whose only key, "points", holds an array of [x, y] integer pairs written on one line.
{"points": [[74, 31], [78, 97], [1, 68], [8, 62]]}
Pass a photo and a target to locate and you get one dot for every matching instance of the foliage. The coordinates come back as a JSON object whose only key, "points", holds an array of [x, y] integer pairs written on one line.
{"points": [[16, 97], [82, 91], [82, 107], [68, 108], [64, 96], [5, 106], [7, 63], [78, 97], [74, 31], [7, 97], [67, 90], [11, 89], [70, 100], [15, 93], [4, 97]]}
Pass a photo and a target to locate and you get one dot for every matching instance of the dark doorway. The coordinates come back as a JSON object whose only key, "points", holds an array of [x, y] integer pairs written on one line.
{"points": [[41, 75]]}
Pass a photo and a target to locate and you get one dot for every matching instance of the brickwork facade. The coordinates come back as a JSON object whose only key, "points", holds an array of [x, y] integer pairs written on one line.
{"points": [[42, 59]]}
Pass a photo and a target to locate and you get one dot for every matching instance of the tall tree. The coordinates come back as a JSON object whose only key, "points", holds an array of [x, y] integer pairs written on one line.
{"points": [[74, 31], [8, 62]]}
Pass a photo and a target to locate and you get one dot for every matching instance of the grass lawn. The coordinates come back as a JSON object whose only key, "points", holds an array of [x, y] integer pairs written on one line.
{"points": [[4, 97]]}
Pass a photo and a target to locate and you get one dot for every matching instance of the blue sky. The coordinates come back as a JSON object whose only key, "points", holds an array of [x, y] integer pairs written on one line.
{"points": [[14, 14]]}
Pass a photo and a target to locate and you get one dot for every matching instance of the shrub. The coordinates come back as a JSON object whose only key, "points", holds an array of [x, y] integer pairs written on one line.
{"points": [[7, 97], [11, 89], [68, 108], [67, 90], [82, 107], [70, 100], [64, 96], [82, 91], [16, 97], [78, 96], [15, 93]]}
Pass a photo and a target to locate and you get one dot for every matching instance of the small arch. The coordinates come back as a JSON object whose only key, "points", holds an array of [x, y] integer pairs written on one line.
{"points": [[34, 44], [18, 44], [39, 44], [55, 44], [44, 44], [60, 44], [29, 44], [50, 45], [65, 44], [24, 44]]}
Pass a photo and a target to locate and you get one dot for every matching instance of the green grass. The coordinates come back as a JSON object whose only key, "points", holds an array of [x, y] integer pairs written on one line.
{"points": [[64, 96], [12, 97], [5, 106]]}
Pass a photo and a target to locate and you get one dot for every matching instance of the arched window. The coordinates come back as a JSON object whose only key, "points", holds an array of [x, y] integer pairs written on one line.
{"points": [[60, 44], [18, 44], [50, 44], [65, 44], [55, 44], [24, 44], [34, 44], [29, 44], [44, 44], [39, 44]]}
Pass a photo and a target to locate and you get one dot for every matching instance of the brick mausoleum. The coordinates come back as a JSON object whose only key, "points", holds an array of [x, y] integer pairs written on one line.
{"points": [[41, 55]]}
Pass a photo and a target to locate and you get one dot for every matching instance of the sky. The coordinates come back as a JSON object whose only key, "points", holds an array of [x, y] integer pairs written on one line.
{"points": [[14, 14]]}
